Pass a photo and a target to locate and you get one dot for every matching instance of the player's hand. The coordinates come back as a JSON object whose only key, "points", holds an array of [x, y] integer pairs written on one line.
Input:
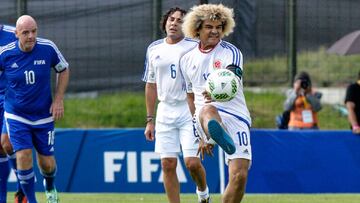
{"points": [[207, 97], [150, 131], [205, 148], [57, 109], [356, 131]]}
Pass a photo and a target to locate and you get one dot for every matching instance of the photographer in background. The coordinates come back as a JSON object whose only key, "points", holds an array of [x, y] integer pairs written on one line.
{"points": [[303, 103]]}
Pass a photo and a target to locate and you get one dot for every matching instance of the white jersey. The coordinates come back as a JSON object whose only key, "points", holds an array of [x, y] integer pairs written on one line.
{"points": [[197, 65], [162, 68]]}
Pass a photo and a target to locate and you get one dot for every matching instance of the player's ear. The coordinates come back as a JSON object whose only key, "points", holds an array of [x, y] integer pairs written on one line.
{"points": [[17, 33], [235, 69]]}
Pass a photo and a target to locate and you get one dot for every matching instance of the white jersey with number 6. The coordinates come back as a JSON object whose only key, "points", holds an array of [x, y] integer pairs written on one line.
{"points": [[162, 68]]}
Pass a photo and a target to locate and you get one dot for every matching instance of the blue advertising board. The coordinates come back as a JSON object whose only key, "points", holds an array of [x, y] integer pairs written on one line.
{"points": [[121, 160]]}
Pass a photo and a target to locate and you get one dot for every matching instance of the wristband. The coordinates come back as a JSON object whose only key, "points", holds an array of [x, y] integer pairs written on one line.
{"points": [[149, 119], [355, 127], [236, 70]]}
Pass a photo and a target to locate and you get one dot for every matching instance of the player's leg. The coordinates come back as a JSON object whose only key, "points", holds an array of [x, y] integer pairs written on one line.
{"points": [[171, 182], [190, 144], [239, 162], [167, 144], [211, 124], [238, 173], [19, 196], [4, 166], [21, 140], [4, 175], [25, 173], [47, 165], [198, 175], [44, 140]]}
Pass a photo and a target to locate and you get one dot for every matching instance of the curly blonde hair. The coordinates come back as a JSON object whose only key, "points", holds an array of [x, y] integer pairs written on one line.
{"points": [[194, 19]]}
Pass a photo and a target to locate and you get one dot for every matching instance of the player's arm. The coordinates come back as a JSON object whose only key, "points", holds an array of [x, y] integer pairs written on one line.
{"points": [[150, 101], [57, 107], [190, 100], [236, 70], [352, 116]]}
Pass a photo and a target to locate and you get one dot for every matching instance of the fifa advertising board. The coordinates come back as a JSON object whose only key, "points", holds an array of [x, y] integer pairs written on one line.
{"points": [[121, 160], [115, 161]]}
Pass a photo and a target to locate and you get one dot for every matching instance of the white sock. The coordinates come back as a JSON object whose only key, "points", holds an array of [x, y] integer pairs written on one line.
{"points": [[203, 194]]}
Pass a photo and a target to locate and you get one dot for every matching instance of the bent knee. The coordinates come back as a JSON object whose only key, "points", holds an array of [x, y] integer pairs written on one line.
{"points": [[7, 147], [240, 176], [193, 164], [208, 109], [47, 164], [169, 165]]}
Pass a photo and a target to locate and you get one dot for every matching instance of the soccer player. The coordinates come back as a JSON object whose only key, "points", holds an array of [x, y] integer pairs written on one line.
{"points": [[226, 123], [29, 109], [7, 156], [173, 119]]}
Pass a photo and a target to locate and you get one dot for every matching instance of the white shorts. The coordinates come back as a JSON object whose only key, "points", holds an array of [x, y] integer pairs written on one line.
{"points": [[172, 138], [239, 132]]}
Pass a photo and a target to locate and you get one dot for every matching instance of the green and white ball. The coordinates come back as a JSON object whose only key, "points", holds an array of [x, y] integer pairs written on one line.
{"points": [[222, 85]]}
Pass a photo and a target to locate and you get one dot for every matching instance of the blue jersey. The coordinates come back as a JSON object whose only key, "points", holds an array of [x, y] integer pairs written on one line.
{"points": [[28, 97], [7, 35]]}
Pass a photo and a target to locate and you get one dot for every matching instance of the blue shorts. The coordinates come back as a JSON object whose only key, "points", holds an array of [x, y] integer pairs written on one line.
{"points": [[25, 136], [4, 128]]}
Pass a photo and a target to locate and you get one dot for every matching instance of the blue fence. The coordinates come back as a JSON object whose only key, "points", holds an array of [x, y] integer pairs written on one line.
{"points": [[121, 160]]}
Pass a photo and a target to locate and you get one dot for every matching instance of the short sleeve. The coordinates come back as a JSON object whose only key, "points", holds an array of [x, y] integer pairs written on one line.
{"points": [[149, 70]]}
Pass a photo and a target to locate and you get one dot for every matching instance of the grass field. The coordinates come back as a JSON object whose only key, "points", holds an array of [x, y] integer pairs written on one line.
{"points": [[127, 109], [191, 198]]}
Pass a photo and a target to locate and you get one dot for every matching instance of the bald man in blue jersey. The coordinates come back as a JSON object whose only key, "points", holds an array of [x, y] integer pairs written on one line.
{"points": [[7, 156], [30, 111]]}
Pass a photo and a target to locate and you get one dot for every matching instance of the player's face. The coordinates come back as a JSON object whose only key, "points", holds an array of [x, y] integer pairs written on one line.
{"points": [[173, 27], [27, 33], [210, 33]]}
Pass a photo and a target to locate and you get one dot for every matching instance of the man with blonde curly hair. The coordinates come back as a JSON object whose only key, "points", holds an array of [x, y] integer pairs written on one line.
{"points": [[225, 123], [174, 131]]}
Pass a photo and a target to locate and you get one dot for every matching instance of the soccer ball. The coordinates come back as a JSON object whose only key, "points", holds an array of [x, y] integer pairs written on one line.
{"points": [[222, 85]]}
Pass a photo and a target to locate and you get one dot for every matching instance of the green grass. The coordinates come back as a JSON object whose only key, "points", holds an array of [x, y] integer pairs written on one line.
{"points": [[128, 110], [105, 111], [187, 198], [324, 69]]}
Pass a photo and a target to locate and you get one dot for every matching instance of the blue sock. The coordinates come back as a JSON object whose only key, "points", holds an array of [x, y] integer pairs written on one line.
{"points": [[49, 179], [12, 162], [4, 175], [27, 179]]}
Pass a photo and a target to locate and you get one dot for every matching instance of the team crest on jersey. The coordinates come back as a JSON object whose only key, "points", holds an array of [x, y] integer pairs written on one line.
{"points": [[217, 64]]}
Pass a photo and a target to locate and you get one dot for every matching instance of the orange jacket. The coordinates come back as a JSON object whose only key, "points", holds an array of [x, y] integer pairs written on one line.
{"points": [[296, 115]]}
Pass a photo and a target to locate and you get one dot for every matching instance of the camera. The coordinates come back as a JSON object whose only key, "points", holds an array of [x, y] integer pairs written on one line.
{"points": [[305, 84]]}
